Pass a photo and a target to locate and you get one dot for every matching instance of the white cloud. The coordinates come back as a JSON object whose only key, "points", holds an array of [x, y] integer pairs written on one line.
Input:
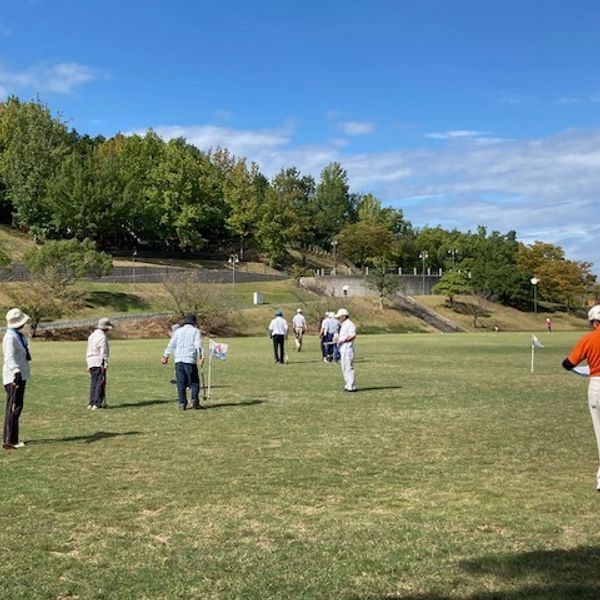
{"points": [[356, 127], [223, 115], [60, 78], [543, 188], [455, 134]]}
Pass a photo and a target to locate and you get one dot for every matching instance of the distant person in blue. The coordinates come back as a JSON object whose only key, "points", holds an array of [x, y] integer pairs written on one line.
{"points": [[15, 374], [333, 327], [186, 346]]}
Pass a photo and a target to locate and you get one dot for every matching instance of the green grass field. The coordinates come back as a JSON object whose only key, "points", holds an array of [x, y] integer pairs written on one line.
{"points": [[453, 473]]}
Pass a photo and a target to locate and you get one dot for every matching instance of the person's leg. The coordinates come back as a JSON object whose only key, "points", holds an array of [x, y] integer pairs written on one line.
{"points": [[347, 362], [274, 338], [280, 351], [182, 382], [103, 373], [95, 387], [594, 404], [194, 380], [300, 337], [14, 406], [329, 340]]}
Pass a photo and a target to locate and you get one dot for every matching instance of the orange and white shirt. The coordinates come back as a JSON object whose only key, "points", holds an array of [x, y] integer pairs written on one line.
{"points": [[588, 348]]}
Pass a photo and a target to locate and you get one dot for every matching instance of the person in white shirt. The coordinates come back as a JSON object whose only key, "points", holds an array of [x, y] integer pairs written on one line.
{"points": [[300, 328], [345, 342], [186, 345], [323, 335], [278, 330], [15, 374], [97, 363]]}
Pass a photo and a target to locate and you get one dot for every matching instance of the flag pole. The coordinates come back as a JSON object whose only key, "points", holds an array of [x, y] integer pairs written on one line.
{"points": [[209, 366]]}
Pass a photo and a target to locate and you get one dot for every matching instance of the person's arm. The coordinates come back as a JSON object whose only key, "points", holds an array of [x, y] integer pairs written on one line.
{"points": [[104, 351], [568, 365], [169, 349], [198, 346], [9, 348]]}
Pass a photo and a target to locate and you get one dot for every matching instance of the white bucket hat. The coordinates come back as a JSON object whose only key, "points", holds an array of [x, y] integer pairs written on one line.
{"points": [[104, 323], [594, 314], [16, 318], [342, 312]]}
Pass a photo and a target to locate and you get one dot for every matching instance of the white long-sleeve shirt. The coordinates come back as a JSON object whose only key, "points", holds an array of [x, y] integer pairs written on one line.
{"points": [[185, 344], [278, 326], [15, 358], [97, 349]]}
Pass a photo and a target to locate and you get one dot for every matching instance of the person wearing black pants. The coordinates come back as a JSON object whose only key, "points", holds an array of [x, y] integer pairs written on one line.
{"points": [[278, 330], [96, 357], [15, 373]]}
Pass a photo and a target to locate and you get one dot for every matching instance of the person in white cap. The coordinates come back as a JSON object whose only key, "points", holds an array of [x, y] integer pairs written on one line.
{"points": [[97, 363], [278, 331], [15, 374], [588, 348], [345, 343], [300, 328]]}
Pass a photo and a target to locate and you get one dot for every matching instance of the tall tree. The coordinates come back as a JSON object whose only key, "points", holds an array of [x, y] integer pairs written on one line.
{"points": [[334, 205]]}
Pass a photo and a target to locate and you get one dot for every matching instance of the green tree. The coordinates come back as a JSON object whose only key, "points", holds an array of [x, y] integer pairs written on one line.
{"points": [[453, 283], [33, 144], [334, 206], [364, 243]]}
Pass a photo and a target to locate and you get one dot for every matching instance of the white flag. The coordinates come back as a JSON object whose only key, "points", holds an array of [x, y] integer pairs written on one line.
{"points": [[535, 342]]}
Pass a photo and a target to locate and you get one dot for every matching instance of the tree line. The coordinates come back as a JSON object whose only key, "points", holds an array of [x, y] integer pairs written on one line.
{"points": [[125, 192]]}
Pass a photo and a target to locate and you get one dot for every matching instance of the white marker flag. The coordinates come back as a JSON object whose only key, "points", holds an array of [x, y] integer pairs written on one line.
{"points": [[535, 342]]}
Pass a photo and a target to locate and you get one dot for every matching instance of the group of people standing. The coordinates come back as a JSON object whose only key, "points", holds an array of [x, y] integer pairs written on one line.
{"points": [[337, 334]]}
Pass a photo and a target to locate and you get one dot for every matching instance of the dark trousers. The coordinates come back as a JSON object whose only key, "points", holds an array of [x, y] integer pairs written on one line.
{"points": [[187, 377], [14, 405], [97, 386], [278, 341]]}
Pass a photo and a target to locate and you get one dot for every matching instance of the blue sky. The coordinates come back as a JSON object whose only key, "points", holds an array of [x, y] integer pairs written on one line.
{"points": [[460, 112]]}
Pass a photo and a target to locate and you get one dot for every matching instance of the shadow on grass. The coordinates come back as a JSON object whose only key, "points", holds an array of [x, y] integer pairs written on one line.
{"points": [[87, 439], [234, 404], [140, 404], [545, 575], [379, 387], [117, 300]]}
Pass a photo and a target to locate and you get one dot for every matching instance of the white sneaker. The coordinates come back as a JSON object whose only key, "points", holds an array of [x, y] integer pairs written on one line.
{"points": [[95, 407], [89, 407], [19, 445]]}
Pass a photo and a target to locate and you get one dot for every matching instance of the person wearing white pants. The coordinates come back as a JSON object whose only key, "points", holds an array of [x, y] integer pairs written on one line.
{"points": [[345, 343], [588, 348]]}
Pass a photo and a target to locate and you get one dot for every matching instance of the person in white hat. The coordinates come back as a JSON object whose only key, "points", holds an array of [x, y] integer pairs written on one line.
{"points": [[588, 348], [300, 328], [345, 343], [15, 374], [96, 357]]}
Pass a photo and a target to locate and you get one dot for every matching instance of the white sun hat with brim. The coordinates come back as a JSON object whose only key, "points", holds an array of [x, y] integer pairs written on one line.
{"points": [[594, 314], [105, 323], [342, 312], [16, 318]]}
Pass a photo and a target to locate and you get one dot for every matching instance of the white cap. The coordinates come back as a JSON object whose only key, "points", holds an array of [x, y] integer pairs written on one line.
{"points": [[342, 312], [594, 314], [298, 310], [104, 323], [16, 318]]}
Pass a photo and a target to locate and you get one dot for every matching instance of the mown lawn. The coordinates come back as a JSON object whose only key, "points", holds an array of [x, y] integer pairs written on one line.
{"points": [[453, 473]]}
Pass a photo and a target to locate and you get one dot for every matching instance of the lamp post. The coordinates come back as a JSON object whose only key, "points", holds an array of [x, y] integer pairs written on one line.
{"points": [[423, 255], [452, 252], [534, 282], [233, 260], [334, 245], [133, 268]]}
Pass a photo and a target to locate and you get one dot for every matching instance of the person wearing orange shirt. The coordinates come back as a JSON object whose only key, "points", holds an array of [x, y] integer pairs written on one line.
{"points": [[588, 348]]}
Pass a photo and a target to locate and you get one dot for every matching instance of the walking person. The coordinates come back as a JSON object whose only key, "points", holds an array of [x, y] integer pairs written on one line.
{"points": [[333, 329], [15, 374], [323, 336], [548, 324], [96, 357], [588, 348], [278, 330], [345, 343], [186, 346], [300, 328]]}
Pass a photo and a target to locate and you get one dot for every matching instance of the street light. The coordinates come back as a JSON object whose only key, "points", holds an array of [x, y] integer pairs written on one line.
{"points": [[334, 245], [534, 282], [423, 255], [133, 268], [452, 252], [233, 260]]}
